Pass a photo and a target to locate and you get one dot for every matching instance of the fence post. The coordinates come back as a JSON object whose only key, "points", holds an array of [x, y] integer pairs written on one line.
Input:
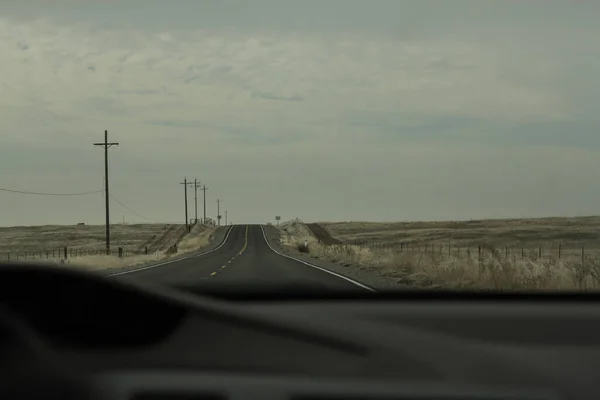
{"points": [[539, 252], [8, 254], [582, 256], [146, 250], [479, 253], [559, 250], [120, 252], [65, 249], [506, 252], [522, 253]]}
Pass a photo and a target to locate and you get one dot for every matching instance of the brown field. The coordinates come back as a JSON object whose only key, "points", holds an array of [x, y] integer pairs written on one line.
{"points": [[28, 239], [486, 254], [86, 244], [571, 232]]}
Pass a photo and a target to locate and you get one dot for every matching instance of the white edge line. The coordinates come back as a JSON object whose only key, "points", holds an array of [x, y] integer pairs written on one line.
{"points": [[177, 260], [314, 266]]}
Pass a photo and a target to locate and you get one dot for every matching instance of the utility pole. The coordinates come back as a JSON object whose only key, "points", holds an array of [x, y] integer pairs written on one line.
{"points": [[218, 212], [106, 146], [204, 189], [196, 185], [225, 217], [195, 201], [185, 185]]}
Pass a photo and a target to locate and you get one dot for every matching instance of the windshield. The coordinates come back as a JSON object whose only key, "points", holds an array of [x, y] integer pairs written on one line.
{"points": [[331, 145]]}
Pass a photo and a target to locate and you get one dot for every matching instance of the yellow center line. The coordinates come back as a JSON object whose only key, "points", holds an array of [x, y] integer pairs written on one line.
{"points": [[239, 254], [245, 241]]}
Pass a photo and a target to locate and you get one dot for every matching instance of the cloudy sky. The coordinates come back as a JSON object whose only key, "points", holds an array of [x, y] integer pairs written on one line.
{"points": [[322, 110]]}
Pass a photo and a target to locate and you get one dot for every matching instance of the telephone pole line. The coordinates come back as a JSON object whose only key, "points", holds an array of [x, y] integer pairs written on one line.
{"points": [[218, 212], [185, 185], [106, 145], [225, 217], [204, 189], [196, 185]]}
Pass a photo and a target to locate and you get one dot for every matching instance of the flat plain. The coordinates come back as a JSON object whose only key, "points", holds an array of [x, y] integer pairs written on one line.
{"points": [[530, 232]]}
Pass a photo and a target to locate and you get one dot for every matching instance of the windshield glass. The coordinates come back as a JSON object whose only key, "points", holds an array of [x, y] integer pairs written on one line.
{"points": [[330, 145]]}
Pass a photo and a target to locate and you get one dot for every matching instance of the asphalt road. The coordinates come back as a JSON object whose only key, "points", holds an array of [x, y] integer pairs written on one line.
{"points": [[244, 259]]}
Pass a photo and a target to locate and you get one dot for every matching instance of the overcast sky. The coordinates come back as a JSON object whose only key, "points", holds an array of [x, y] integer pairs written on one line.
{"points": [[322, 110]]}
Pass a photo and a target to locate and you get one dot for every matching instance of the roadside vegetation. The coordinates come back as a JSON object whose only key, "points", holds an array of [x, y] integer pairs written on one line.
{"points": [[163, 246], [494, 269]]}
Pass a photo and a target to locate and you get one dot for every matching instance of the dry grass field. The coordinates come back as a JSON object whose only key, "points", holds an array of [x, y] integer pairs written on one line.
{"points": [[571, 232], [87, 237], [86, 244], [446, 254]]}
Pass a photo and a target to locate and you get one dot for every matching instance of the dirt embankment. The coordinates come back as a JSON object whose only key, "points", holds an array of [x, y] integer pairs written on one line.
{"points": [[170, 236], [322, 234]]}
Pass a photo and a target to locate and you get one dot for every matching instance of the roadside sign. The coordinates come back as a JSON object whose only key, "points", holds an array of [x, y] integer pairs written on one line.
{"points": [[277, 218]]}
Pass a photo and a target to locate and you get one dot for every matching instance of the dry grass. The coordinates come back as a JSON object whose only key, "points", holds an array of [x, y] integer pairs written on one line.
{"points": [[104, 262], [199, 237], [571, 232], [426, 269], [158, 237], [87, 237]]}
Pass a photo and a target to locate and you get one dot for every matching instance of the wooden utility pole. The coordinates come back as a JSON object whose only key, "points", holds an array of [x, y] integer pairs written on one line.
{"points": [[196, 185], [185, 185], [106, 146], [218, 212], [204, 189]]}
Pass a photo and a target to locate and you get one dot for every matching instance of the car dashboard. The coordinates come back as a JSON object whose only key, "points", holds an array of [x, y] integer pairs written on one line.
{"points": [[97, 337]]}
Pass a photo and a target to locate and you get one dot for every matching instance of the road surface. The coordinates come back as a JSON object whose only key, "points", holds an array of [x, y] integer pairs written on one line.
{"points": [[244, 259]]}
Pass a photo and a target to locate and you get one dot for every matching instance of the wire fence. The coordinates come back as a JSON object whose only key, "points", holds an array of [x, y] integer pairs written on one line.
{"points": [[539, 252], [64, 253]]}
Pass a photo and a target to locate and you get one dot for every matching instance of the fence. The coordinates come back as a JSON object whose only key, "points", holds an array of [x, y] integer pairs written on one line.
{"points": [[64, 253], [556, 252]]}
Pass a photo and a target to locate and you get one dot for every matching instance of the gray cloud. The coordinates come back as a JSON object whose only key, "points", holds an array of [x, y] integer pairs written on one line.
{"points": [[270, 96], [338, 109]]}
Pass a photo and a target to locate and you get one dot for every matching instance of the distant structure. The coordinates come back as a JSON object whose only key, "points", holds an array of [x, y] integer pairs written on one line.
{"points": [[80, 223]]}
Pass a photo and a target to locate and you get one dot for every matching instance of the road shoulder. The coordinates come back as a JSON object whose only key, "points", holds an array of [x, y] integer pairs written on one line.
{"points": [[219, 237], [365, 275]]}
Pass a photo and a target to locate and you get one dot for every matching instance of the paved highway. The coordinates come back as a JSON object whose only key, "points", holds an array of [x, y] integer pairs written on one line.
{"points": [[244, 259]]}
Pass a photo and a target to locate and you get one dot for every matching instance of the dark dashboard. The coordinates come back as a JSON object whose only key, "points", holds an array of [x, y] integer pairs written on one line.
{"points": [[107, 338]]}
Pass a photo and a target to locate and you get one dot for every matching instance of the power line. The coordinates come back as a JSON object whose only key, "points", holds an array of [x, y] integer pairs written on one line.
{"points": [[129, 209], [50, 194]]}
